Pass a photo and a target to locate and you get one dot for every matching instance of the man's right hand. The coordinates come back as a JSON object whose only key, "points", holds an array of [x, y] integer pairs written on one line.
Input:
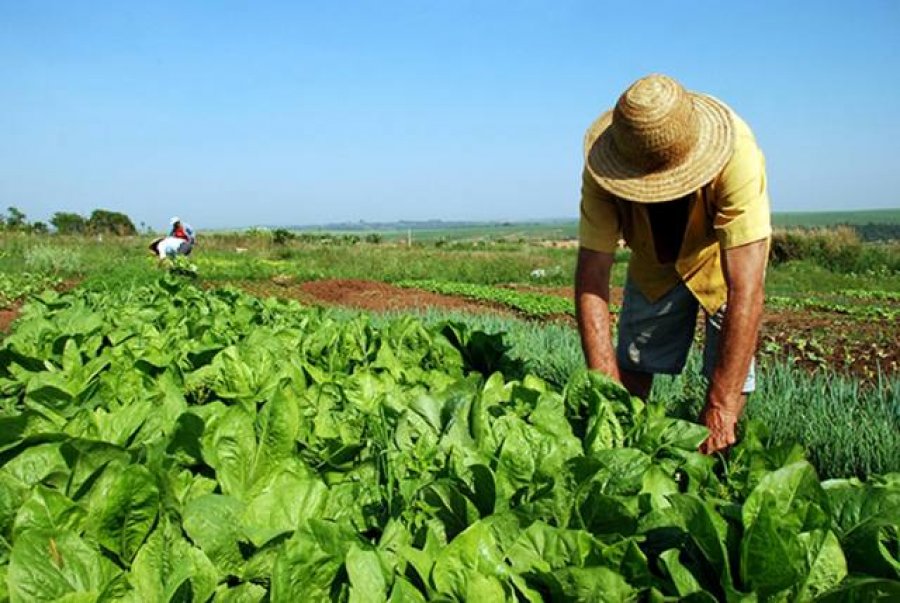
{"points": [[592, 275]]}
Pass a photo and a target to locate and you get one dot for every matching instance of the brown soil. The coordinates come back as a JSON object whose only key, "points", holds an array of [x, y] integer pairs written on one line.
{"points": [[7, 316], [366, 295]]}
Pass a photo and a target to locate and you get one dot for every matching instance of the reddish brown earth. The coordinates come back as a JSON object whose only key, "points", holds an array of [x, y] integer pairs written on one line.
{"points": [[366, 295], [7, 317], [816, 340]]}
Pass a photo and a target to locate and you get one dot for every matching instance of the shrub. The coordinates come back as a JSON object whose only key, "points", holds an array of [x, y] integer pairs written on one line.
{"points": [[50, 259], [838, 249], [282, 236]]}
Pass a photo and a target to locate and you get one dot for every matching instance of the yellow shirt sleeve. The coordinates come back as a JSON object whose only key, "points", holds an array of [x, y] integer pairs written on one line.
{"points": [[742, 201], [599, 228]]}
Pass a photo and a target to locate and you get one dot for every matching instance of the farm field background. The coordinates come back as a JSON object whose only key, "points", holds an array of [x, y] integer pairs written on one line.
{"points": [[426, 403], [568, 229]]}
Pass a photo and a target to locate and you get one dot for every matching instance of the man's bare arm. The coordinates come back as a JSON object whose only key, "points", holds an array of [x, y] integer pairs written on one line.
{"points": [[744, 269], [592, 276]]}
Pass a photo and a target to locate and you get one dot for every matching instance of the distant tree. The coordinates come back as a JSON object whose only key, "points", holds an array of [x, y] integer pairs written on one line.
{"points": [[281, 236], [68, 223], [15, 219], [38, 227], [110, 222]]}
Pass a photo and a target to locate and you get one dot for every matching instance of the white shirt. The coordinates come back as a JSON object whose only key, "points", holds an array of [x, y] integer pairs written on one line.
{"points": [[168, 247]]}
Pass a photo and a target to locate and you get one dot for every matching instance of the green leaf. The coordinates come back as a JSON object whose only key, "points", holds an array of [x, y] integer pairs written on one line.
{"points": [[242, 593], [367, 576], [87, 460], [516, 462], [449, 505], [48, 566], [593, 584], [544, 548], [770, 557], [405, 592], [866, 518], [684, 581], [602, 514], [474, 551], [15, 429], [185, 441], [709, 533], [797, 497], [51, 511], [308, 565], [863, 590], [168, 568], [123, 510], [279, 422], [35, 463], [230, 450], [825, 564], [213, 522], [13, 494], [281, 504]]}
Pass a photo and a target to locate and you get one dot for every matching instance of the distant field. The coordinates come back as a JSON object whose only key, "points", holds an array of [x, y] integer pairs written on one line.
{"points": [[555, 230], [512, 231], [835, 218]]}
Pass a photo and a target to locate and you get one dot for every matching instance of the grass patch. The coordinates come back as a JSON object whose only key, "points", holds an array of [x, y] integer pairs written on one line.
{"points": [[54, 259], [534, 305]]}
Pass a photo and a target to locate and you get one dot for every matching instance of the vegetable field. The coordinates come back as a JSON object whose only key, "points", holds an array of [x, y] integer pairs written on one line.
{"points": [[166, 443]]}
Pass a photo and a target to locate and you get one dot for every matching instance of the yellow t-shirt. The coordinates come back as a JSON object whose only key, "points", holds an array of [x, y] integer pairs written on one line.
{"points": [[730, 211]]}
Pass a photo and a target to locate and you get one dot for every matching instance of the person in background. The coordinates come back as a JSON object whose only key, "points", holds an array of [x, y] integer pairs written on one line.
{"points": [[679, 176], [167, 247], [184, 232]]}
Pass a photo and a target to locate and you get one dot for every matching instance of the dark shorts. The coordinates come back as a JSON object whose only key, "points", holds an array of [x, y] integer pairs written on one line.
{"points": [[185, 248], [656, 337]]}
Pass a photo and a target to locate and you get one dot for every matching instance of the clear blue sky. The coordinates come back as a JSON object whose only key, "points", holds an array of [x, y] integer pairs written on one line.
{"points": [[232, 114]]}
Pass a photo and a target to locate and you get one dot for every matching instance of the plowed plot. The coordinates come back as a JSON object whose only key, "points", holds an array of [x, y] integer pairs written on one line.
{"points": [[820, 340], [367, 295]]}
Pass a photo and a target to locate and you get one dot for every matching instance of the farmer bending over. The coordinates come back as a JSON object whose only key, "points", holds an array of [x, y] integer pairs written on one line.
{"points": [[679, 177], [169, 247], [182, 230]]}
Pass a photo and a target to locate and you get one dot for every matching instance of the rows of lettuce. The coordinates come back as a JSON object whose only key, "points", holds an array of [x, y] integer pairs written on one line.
{"points": [[876, 305], [169, 444]]}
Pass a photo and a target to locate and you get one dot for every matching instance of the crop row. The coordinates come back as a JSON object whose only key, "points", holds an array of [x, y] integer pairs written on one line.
{"points": [[14, 287], [530, 304], [539, 305], [893, 296], [170, 443], [862, 311]]}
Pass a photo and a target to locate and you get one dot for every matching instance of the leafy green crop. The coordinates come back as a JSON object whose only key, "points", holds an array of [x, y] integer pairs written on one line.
{"points": [[863, 312], [171, 444], [530, 304], [14, 287]]}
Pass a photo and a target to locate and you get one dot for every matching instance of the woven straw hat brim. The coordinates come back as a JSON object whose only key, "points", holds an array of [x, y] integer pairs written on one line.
{"points": [[700, 165]]}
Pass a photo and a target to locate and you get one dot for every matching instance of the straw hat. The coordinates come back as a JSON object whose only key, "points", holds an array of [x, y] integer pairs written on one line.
{"points": [[660, 142]]}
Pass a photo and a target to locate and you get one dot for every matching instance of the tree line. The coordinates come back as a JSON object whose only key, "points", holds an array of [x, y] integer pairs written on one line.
{"points": [[101, 221]]}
